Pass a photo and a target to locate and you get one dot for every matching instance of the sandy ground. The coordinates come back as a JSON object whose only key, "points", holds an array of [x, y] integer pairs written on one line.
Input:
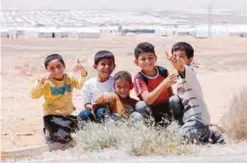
{"points": [[222, 72]]}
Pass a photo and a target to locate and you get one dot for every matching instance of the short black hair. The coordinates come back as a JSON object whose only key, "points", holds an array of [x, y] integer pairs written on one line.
{"points": [[52, 57], [144, 47], [103, 54], [123, 75], [184, 46]]}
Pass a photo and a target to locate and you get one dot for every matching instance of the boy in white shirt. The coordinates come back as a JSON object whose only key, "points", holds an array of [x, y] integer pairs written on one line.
{"points": [[191, 113], [104, 63]]}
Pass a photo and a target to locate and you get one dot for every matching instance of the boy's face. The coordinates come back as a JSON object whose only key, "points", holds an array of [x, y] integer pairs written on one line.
{"points": [[122, 88], [181, 54], [146, 61], [56, 69], [105, 67]]}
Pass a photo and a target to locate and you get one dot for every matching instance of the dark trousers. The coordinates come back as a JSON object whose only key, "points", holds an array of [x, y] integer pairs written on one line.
{"points": [[58, 128], [164, 113]]}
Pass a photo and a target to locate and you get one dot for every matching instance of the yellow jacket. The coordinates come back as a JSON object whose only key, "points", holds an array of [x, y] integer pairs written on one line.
{"points": [[57, 94]]}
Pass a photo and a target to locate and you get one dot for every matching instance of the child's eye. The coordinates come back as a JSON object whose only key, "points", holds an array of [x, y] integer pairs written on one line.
{"points": [[59, 66], [52, 68], [150, 58]]}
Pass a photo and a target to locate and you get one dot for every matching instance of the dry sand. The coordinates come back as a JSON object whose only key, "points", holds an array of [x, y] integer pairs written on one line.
{"points": [[222, 72]]}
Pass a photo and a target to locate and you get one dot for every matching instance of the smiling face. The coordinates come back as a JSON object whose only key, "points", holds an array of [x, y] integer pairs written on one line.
{"points": [[56, 69], [146, 61], [105, 67], [122, 88]]}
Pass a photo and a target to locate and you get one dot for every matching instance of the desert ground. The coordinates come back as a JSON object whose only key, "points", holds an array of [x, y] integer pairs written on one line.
{"points": [[221, 62]]}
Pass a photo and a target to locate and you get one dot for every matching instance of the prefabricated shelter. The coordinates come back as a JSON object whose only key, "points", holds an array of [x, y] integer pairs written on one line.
{"points": [[137, 30], [4, 32], [110, 29], [184, 31], [87, 32], [204, 31], [51, 33]]}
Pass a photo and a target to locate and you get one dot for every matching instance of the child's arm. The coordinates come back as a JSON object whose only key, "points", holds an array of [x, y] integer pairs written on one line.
{"points": [[114, 102], [37, 90], [106, 98], [151, 97], [78, 83], [86, 99]]}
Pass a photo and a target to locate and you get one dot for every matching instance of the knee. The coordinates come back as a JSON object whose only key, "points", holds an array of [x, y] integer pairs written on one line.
{"points": [[85, 115], [100, 111], [141, 106], [135, 116], [174, 99]]}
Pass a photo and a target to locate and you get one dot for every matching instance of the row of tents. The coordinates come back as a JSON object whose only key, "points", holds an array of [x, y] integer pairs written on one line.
{"points": [[200, 31]]}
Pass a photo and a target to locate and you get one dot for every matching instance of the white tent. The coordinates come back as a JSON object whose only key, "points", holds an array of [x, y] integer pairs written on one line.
{"points": [[4, 32], [221, 30], [87, 32]]}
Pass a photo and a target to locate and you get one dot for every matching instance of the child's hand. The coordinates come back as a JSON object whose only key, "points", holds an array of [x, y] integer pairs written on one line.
{"points": [[80, 68], [43, 79], [171, 57], [170, 80], [94, 106], [176, 63]]}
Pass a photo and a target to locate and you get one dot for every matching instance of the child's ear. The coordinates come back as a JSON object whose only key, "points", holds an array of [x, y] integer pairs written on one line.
{"points": [[94, 66], [131, 86], [136, 62], [191, 59]]}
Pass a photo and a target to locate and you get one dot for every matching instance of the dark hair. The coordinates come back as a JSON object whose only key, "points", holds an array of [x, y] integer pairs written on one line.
{"points": [[143, 47], [123, 75], [183, 46], [52, 57], [103, 54]]}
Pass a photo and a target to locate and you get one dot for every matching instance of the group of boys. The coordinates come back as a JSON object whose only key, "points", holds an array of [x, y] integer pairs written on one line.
{"points": [[108, 97]]}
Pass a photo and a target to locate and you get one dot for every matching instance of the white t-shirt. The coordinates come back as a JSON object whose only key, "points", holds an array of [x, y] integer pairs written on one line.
{"points": [[92, 89], [189, 90]]}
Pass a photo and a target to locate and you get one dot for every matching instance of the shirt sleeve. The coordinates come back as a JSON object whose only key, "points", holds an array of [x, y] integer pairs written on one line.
{"points": [[78, 82], [139, 86], [85, 93], [37, 90], [190, 75], [193, 81]]}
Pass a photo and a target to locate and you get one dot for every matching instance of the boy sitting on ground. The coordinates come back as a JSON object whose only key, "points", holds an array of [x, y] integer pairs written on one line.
{"points": [[120, 103], [153, 85], [104, 63], [191, 113]]}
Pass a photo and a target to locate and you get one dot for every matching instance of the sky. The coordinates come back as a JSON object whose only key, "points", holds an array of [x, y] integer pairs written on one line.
{"points": [[123, 4]]}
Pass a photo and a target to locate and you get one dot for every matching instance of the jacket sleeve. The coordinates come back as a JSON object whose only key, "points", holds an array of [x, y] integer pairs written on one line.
{"points": [[78, 82]]}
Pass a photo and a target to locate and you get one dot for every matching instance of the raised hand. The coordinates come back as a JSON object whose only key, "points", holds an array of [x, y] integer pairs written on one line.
{"points": [[176, 63], [44, 78], [80, 68]]}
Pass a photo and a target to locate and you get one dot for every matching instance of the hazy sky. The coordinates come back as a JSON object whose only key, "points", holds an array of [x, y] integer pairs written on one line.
{"points": [[122, 4]]}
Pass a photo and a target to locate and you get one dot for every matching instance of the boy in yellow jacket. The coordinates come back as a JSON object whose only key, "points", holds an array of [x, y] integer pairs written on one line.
{"points": [[56, 88]]}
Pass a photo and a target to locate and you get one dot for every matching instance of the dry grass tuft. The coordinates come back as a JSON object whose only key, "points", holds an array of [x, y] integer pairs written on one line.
{"points": [[134, 139], [235, 121]]}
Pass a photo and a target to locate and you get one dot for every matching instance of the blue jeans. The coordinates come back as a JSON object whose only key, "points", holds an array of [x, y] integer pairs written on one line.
{"points": [[98, 115]]}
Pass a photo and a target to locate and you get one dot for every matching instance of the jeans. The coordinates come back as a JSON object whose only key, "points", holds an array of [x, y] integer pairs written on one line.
{"points": [[98, 115]]}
